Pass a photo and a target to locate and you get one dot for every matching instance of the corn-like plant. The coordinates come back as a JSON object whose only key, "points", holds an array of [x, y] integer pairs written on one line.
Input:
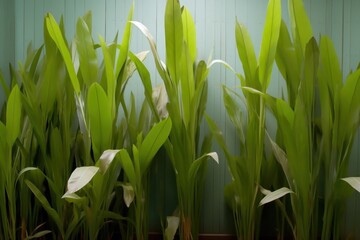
{"points": [[186, 87], [340, 109], [243, 192]]}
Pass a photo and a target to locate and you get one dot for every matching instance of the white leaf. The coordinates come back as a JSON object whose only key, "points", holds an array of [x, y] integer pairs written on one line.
{"points": [[214, 156], [80, 177], [129, 194], [354, 182], [172, 226], [272, 196], [106, 159]]}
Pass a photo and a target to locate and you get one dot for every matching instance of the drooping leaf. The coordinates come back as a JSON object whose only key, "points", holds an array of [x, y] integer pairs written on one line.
{"points": [[195, 165], [272, 196], [269, 41], [354, 182], [153, 141], [13, 115], [79, 178], [129, 193], [106, 159]]}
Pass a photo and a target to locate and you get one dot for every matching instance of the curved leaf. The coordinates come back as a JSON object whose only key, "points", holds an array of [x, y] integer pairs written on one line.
{"points": [[354, 182], [272, 196], [106, 159], [195, 165], [79, 178], [172, 226], [129, 193]]}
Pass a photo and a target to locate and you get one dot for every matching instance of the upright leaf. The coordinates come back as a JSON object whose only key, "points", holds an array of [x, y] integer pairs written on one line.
{"points": [[189, 32], [13, 115]]}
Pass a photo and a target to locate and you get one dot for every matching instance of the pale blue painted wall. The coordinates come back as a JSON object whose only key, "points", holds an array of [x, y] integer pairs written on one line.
{"points": [[215, 33]]}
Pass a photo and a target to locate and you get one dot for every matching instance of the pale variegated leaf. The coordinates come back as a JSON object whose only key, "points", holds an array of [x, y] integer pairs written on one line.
{"points": [[129, 193], [80, 177], [272, 196], [354, 182], [106, 159], [172, 226]]}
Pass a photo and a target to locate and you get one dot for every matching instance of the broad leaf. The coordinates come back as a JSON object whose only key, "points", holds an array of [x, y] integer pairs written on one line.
{"points": [[272, 196], [106, 159], [189, 33], [128, 167], [13, 115], [172, 226], [269, 41], [129, 193], [153, 141], [79, 178]]}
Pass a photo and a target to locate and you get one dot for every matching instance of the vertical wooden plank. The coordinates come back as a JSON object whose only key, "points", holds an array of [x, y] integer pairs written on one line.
{"points": [[19, 29], [29, 25], [70, 18]]}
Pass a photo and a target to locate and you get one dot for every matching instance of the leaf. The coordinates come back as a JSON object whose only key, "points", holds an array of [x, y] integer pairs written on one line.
{"points": [[269, 42], [128, 167], [195, 165], [354, 182], [56, 35], [189, 33], [172, 226], [39, 234], [246, 51], [129, 193], [272, 196], [173, 38], [79, 178], [153, 141], [45, 204], [106, 159], [87, 53], [13, 115], [99, 118]]}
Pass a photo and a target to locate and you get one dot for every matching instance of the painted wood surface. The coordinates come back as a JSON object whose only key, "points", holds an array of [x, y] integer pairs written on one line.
{"points": [[215, 21]]}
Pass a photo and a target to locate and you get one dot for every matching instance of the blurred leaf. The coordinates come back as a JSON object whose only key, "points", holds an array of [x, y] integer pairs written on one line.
{"points": [[79, 178], [189, 33], [354, 182], [106, 159], [172, 226], [39, 234], [272, 196]]}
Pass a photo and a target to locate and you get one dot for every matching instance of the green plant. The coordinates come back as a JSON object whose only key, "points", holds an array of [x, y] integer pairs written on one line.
{"points": [[242, 193], [186, 87], [340, 109]]}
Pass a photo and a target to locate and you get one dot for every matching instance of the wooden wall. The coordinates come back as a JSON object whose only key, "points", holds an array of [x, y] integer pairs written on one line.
{"points": [[215, 21]]}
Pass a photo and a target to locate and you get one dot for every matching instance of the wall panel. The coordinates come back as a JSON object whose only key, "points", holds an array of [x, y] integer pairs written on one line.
{"points": [[215, 22]]}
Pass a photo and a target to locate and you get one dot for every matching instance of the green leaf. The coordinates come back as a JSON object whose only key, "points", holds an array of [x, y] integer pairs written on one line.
{"points": [[196, 165], [173, 38], [124, 47], [153, 141], [13, 115], [79, 178], [128, 167], [45, 204], [300, 26], [269, 41], [172, 226], [354, 182], [39, 234], [100, 119], [189, 33], [246, 51], [56, 35], [106, 159], [87, 53], [272, 196]]}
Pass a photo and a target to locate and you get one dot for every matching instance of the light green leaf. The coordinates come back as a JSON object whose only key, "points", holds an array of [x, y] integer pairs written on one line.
{"points": [[56, 35], [354, 182], [128, 167], [79, 178], [172, 226], [87, 53], [195, 165], [153, 141], [246, 51], [189, 33], [272, 196], [106, 159], [173, 38], [269, 42], [13, 115], [100, 119], [129, 193]]}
